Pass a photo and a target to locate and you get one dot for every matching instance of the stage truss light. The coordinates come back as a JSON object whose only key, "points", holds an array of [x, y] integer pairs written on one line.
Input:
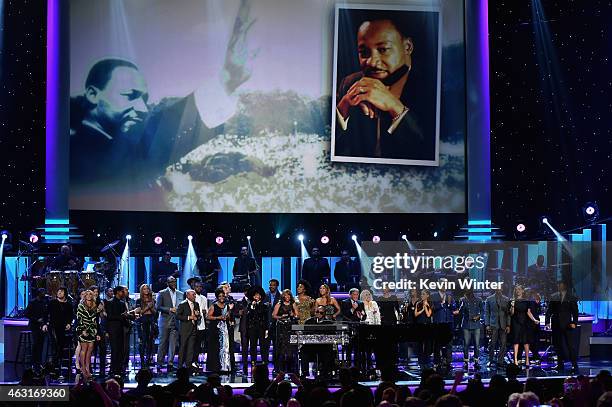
{"points": [[277, 235], [404, 237], [190, 238], [219, 240], [354, 237], [376, 239], [128, 237], [33, 238], [158, 240], [324, 239], [249, 237], [520, 227], [435, 234], [301, 237]]}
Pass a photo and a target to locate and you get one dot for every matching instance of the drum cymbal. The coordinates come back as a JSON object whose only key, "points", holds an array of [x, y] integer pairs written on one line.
{"points": [[110, 246]]}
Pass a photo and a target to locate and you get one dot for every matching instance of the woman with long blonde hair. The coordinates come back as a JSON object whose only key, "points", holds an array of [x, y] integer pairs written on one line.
{"points": [[87, 331], [371, 308]]}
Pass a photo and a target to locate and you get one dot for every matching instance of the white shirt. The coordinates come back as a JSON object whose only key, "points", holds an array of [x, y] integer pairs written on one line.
{"points": [[173, 296], [372, 313], [203, 303]]}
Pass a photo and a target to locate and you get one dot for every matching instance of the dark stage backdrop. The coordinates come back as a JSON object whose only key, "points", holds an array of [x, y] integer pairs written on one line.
{"points": [[551, 103], [543, 161]]}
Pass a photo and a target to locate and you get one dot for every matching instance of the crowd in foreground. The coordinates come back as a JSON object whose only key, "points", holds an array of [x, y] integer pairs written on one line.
{"points": [[291, 391]]}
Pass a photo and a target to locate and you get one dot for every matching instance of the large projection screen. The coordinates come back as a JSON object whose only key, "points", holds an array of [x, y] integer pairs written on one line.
{"points": [[231, 106]]}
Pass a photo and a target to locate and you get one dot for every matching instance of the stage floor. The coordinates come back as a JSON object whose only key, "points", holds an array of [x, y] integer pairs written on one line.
{"points": [[409, 374]]}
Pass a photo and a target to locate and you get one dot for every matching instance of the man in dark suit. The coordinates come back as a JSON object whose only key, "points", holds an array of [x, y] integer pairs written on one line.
{"points": [[315, 269], [497, 324], [562, 317], [167, 301], [353, 310], [188, 312], [273, 296], [37, 313], [346, 271], [388, 109], [116, 324]]}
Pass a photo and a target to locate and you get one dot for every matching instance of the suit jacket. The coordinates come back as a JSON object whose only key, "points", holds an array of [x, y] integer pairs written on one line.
{"points": [[497, 313], [560, 314], [414, 137], [272, 302], [115, 317], [314, 270], [183, 311], [349, 314], [164, 303], [442, 311]]}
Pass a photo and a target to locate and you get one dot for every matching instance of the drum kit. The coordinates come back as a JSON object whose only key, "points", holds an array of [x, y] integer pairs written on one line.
{"points": [[42, 275]]}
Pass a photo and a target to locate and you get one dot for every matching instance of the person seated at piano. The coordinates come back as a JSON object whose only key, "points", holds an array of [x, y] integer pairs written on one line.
{"points": [[304, 302], [65, 260], [370, 307], [423, 313], [322, 355], [332, 308], [285, 313]]}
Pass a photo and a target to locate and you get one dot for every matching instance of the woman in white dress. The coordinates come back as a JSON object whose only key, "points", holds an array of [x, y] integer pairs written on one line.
{"points": [[371, 308]]}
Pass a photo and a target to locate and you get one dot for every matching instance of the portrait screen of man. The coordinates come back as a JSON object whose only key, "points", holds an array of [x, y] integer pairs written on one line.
{"points": [[387, 81]]}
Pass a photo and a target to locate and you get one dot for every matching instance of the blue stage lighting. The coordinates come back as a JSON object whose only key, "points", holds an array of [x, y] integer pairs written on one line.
{"points": [[190, 238], [435, 234], [277, 235], [248, 237], [128, 237], [404, 237], [354, 237], [301, 237]]}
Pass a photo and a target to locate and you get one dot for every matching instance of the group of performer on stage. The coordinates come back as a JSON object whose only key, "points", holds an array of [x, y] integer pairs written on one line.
{"points": [[265, 319]]}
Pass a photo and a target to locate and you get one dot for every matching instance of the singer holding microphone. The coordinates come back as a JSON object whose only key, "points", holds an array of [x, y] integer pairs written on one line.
{"points": [[188, 312], [257, 324]]}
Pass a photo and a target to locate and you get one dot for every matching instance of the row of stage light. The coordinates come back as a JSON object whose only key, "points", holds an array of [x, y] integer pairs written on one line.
{"points": [[590, 212]]}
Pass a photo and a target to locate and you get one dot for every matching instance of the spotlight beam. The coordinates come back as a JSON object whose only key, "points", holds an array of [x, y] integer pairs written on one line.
{"points": [[191, 260]]}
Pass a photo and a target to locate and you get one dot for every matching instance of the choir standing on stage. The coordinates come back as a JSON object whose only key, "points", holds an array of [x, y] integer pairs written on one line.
{"points": [[212, 327]]}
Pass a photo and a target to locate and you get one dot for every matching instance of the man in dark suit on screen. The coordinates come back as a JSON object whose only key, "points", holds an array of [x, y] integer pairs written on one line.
{"points": [[562, 316], [388, 109]]}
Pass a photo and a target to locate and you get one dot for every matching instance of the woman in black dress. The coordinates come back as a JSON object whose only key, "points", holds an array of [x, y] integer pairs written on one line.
{"points": [[285, 313], [423, 312], [218, 334], [60, 322], [521, 327]]}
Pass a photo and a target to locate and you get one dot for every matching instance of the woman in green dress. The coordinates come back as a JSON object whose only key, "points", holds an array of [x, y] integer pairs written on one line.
{"points": [[86, 330]]}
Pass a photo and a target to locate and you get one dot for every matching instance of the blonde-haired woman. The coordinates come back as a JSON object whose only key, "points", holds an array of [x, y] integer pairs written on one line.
{"points": [[371, 308], [87, 331], [520, 326], [332, 308], [146, 323]]}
